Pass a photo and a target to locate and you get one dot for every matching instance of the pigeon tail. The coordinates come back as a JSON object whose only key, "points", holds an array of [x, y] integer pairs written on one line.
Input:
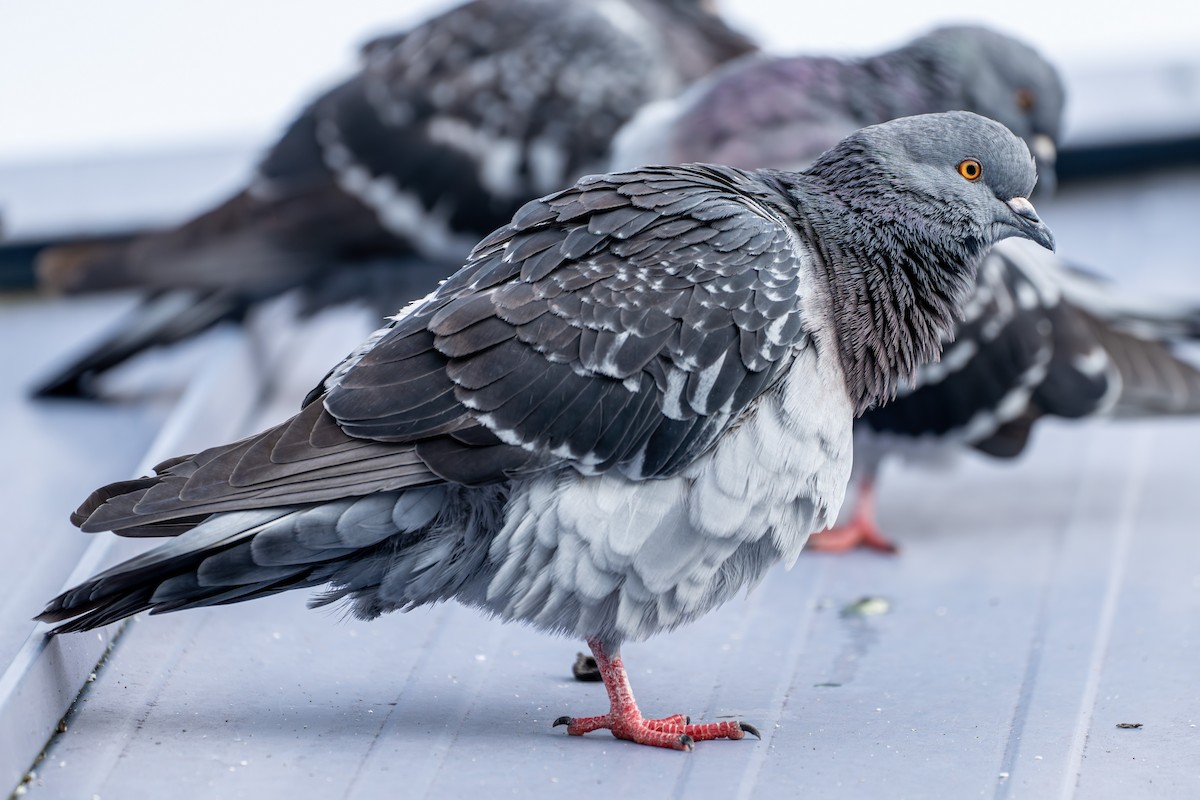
{"points": [[1154, 380], [1140, 337], [211, 564], [84, 266], [163, 318]]}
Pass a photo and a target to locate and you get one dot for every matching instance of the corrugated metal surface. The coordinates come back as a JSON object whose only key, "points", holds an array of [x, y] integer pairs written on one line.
{"points": [[1031, 611]]}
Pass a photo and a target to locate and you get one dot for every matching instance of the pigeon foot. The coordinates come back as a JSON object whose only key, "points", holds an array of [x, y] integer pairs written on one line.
{"points": [[670, 732], [860, 531], [625, 721], [844, 538]]}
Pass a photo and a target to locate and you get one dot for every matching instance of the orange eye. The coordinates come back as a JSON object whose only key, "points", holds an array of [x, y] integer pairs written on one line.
{"points": [[1026, 99], [970, 169]]}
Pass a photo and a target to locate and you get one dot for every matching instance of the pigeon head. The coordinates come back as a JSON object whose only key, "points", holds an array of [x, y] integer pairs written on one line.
{"points": [[956, 170], [1002, 78], [916, 204]]}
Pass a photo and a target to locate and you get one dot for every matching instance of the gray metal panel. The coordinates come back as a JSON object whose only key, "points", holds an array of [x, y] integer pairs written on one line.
{"points": [[53, 451], [39, 677], [984, 663]]}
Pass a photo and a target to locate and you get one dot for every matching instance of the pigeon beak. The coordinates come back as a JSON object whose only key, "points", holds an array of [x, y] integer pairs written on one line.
{"points": [[1045, 154], [1028, 224]]}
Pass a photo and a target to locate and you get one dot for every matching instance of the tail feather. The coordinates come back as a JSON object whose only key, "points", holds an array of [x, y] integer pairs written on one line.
{"points": [[244, 242], [1140, 316], [88, 266], [164, 318], [1154, 379], [228, 558], [1141, 338]]}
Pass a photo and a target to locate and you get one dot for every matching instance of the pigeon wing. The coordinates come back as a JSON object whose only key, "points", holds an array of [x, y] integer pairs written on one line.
{"points": [[625, 322]]}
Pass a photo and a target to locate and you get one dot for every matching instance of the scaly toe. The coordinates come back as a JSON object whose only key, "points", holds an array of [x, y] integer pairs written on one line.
{"points": [[672, 724], [720, 730]]}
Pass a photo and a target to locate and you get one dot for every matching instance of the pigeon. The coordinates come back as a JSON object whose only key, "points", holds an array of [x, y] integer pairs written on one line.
{"points": [[763, 110], [1041, 338], [630, 402], [382, 185]]}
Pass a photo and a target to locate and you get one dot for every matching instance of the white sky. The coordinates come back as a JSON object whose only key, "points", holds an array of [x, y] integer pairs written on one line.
{"points": [[85, 78]]}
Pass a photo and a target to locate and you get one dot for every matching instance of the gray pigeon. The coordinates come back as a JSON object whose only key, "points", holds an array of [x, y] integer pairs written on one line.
{"points": [[1040, 338], [383, 183], [631, 401], [784, 112]]}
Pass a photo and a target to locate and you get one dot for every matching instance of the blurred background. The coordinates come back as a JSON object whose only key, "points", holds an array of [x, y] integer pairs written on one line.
{"points": [[172, 102]]}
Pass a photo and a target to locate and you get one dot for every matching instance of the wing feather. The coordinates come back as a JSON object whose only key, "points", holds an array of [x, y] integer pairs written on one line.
{"points": [[631, 294]]}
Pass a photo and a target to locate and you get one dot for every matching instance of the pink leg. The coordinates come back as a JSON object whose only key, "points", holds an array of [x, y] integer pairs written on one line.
{"points": [[860, 531], [626, 722]]}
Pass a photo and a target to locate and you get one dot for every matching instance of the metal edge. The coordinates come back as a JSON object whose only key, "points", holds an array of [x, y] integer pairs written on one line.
{"points": [[41, 683]]}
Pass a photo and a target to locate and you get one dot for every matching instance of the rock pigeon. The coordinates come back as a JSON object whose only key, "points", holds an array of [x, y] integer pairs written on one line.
{"points": [[631, 401], [1040, 338], [781, 112], [383, 183]]}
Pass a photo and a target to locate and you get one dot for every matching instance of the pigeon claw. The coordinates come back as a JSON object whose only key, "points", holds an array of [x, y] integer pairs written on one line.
{"points": [[751, 729]]}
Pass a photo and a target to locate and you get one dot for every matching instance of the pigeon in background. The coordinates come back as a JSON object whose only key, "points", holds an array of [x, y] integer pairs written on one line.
{"points": [[631, 401], [783, 112], [1040, 338], [383, 183]]}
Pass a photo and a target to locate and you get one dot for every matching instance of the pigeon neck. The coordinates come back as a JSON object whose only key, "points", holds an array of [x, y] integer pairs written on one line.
{"points": [[896, 279]]}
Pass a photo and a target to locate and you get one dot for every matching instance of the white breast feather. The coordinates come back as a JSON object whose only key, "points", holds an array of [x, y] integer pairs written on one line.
{"points": [[661, 543]]}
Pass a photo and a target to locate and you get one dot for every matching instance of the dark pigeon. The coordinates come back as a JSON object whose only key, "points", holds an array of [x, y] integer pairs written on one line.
{"points": [[632, 400], [384, 182], [1040, 339]]}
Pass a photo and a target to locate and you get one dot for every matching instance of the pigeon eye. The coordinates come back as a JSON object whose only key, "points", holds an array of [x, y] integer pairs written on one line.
{"points": [[970, 169], [1026, 100]]}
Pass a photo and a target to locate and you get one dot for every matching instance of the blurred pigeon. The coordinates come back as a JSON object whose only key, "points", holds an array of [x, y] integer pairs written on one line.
{"points": [[630, 402], [1040, 338], [784, 112], [392, 176]]}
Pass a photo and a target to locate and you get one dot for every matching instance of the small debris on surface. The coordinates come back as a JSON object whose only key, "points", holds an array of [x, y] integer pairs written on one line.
{"points": [[585, 669], [62, 726], [867, 606], [826, 684], [1129, 725]]}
